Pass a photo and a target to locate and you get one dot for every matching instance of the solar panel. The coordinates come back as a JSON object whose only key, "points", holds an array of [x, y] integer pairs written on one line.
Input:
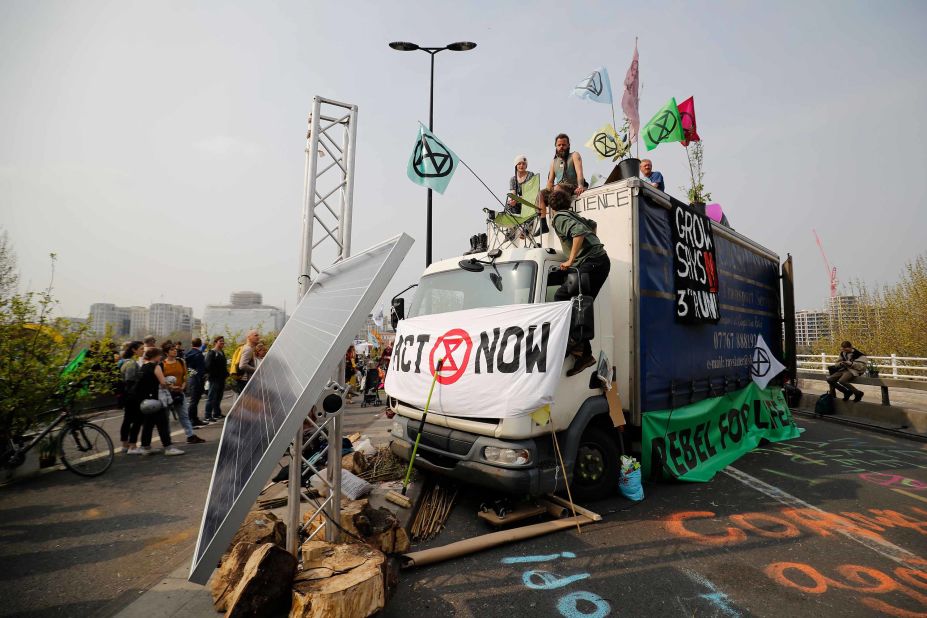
{"points": [[287, 383]]}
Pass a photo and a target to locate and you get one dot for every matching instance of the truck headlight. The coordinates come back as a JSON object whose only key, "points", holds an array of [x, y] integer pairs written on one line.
{"points": [[510, 456], [397, 429]]}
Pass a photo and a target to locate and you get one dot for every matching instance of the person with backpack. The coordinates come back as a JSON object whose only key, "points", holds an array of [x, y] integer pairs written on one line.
{"points": [[585, 254], [851, 364], [217, 370], [132, 416], [150, 380], [175, 373], [243, 361]]}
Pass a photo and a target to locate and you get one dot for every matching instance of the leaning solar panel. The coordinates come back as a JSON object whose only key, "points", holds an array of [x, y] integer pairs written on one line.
{"points": [[290, 379]]}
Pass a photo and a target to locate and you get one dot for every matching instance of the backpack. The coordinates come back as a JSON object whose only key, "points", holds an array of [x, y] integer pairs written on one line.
{"points": [[236, 356], [792, 395], [824, 405]]}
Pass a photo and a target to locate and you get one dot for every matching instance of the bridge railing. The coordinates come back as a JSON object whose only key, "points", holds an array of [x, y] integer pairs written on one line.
{"points": [[894, 366]]}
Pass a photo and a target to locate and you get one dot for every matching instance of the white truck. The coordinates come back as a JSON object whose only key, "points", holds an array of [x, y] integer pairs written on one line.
{"points": [[658, 360]]}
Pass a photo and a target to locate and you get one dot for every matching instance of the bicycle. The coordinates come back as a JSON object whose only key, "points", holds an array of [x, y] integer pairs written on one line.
{"points": [[83, 447]]}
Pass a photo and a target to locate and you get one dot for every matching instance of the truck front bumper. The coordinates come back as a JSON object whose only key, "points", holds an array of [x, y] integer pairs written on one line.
{"points": [[459, 455]]}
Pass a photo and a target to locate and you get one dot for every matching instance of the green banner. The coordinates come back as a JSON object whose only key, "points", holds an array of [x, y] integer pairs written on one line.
{"points": [[665, 126], [696, 441]]}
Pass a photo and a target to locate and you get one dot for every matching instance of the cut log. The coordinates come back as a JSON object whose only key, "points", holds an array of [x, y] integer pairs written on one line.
{"points": [[355, 462], [264, 588], [347, 581], [225, 579], [261, 527]]}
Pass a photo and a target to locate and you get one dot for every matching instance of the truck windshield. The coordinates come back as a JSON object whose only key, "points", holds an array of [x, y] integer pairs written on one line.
{"points": [[454, 290]]}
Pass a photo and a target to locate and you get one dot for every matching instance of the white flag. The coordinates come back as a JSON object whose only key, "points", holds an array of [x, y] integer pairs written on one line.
{"points": [[378, 317], [765, 367]]}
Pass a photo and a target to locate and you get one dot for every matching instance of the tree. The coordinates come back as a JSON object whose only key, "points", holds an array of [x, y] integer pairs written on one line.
{"points": [[36, 349], [890, 320]]}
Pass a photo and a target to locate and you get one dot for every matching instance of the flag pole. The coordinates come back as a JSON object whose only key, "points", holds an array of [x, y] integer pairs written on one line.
{"points": [[481, 182]]}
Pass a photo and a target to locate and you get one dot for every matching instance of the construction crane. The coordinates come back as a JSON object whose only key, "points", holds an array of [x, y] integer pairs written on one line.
{"points": [[831, 270]]}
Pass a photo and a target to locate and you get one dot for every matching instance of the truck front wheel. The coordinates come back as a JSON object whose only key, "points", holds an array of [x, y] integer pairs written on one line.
{"points": [[595, 473]]}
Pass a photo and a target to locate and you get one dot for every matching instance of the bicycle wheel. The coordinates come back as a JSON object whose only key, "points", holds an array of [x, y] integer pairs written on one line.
{"points": [[85, 449]]}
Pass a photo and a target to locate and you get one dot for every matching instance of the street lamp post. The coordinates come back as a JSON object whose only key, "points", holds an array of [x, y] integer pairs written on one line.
{"points": [[404, 46]]}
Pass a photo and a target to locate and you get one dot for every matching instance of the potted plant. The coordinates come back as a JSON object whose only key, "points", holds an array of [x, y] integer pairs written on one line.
{"points": [[628, 166], [696, 192]]}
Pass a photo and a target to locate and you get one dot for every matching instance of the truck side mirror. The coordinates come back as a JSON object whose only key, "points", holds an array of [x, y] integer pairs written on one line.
{"points": [[398, 312]]}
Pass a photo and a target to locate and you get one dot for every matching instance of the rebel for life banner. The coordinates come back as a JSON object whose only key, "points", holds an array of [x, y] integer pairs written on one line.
{"points": [[694, 268], [498, 361], [694, 442]]}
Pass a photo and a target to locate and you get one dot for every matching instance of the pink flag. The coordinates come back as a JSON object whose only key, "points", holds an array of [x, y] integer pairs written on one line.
{"points": [[687, 115], [630, 99]]}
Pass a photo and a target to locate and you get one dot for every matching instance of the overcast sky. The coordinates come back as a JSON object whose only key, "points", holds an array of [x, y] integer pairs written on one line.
{"points": [[157, 147]]}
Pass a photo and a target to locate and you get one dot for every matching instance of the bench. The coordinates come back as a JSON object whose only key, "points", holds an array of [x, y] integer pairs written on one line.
{"points": [[882, 383]]}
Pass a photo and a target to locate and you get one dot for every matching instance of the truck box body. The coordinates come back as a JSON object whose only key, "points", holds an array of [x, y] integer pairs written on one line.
{"points": [[658, 362]]}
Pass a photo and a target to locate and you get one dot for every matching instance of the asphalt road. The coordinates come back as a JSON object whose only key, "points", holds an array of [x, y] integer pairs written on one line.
{"points": [[72, 546], [834, 522]]}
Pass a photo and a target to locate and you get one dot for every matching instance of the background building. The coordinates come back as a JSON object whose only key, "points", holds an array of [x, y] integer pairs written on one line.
{"points": [[244, 312], [160, 320], [844, 312], [810, 326]]}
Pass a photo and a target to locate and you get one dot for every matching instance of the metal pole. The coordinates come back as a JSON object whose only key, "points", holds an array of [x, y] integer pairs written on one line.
{"points": [[332, 534], [348, 201], [431, 119], [294, 480]]}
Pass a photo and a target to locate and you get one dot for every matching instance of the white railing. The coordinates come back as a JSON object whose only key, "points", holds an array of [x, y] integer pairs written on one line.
{"points": [[894, 366]]}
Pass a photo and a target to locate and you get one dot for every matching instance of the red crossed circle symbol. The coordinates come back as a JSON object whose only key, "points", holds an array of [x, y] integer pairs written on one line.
{"points": [[448, 346]]}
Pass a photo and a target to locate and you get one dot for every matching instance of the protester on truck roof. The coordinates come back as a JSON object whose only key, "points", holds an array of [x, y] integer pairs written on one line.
{"points": [[585, 253], [851, 364], [516, 182], [567, 167], [655, 179]]}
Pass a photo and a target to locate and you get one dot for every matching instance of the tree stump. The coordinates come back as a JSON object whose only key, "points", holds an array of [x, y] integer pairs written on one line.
{"points": [[354, 462], [225, 579], [344, 582], [264, 588], [261, 527]]}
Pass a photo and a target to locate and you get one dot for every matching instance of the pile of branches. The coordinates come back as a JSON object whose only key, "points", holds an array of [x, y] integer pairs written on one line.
{"points": [[383, 467], [433, 513]]}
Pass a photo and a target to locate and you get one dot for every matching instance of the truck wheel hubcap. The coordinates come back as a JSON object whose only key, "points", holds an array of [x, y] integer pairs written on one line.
{"points": [[591, 463]]}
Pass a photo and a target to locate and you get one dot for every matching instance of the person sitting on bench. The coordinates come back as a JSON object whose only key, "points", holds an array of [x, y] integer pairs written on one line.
{"points": [[851, 365]]}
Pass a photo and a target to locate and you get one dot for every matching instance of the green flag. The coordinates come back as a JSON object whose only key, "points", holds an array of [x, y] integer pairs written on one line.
{"points": [[432, 164], [665, 126], [694, 442]]}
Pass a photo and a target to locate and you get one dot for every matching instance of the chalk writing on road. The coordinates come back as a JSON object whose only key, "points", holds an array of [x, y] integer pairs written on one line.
{"points": [[581, 604], [852, 454], [789, 523], [866, 581]]}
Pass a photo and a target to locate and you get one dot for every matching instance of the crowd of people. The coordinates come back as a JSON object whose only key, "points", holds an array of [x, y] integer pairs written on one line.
{"points": [[364, 374], [163, 380]]}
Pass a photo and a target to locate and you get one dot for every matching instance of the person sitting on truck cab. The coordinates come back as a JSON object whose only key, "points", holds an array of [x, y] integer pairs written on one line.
{"points": [[522, 175], [585, 253], [567, 167]]}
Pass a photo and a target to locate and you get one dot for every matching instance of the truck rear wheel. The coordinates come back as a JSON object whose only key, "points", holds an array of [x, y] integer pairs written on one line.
{"points": [[595, 473]]}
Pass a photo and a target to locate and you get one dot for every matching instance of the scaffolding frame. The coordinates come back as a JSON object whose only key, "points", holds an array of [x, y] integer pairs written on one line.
{"points": [[332, 133]]}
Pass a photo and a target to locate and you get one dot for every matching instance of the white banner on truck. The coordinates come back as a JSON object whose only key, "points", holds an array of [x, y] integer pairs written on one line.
{"points": [[498, 361]]}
